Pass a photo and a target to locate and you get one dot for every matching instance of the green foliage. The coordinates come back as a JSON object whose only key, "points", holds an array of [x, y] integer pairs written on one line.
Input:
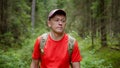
{"points": [[17, 58], [90, 62], [61, 3], [40, 17], [7, 37], [112, 41], [94, 8], [110, 55], [18, 19], [96, 56]]}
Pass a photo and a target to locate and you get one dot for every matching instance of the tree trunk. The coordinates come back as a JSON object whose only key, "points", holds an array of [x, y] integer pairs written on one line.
{"points": [[116, 19], [103, 24], [3, 16], [33, 15]]}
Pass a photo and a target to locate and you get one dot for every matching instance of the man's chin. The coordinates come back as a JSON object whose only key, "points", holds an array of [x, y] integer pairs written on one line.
{"points": [[60, 32]]}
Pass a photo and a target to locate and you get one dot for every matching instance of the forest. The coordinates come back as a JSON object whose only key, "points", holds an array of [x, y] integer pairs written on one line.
{"points": [[94, 23]]}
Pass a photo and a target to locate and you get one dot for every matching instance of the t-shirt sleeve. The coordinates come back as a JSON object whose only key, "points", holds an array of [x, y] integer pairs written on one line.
{"points": [[36, 50], [76, 57]]}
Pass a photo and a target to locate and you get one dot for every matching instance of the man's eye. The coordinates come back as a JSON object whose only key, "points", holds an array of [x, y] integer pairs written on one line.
{"points": [[56, 20], [63, 21]]}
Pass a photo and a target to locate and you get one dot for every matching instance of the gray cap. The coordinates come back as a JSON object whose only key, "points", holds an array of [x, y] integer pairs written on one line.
{"points": [[55, 12]]}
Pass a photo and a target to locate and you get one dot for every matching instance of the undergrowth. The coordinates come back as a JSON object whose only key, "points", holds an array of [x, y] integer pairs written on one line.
{"points": [[92, 56]]}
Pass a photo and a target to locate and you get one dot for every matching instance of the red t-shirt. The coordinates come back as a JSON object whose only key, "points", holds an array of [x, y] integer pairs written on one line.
{"points": [[56, 53]]}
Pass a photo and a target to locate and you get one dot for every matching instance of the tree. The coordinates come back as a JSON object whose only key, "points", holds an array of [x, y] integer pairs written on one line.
{"points": [[33, 15], [3, 16], [103, 23]]}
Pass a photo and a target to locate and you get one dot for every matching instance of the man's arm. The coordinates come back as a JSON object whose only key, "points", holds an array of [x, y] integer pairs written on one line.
{"points": [[34, 64], [76, 65]]}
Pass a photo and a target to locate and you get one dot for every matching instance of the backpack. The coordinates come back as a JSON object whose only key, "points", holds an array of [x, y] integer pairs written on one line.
{"points": [[44, 37]]}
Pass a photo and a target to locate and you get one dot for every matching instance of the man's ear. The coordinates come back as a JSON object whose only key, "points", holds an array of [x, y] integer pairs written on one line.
{"points": [[49, 24]]}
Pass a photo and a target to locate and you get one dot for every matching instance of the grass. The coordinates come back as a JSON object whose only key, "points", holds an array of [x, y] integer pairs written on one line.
{"points": [[111, 56]]}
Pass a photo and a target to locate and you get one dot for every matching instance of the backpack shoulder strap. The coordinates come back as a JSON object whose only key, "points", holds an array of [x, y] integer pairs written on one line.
{"points": [[43, 41], [71, 42]]}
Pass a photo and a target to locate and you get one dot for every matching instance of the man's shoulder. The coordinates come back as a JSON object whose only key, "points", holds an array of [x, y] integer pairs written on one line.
{"points": [[70, 36], [42, 35]]}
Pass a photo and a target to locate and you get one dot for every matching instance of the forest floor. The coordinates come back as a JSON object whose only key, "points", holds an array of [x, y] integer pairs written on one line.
{"points": [[112, 56], [104, 57]]}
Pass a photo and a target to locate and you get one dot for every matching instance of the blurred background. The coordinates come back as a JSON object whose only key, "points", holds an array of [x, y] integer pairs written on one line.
{"points": [[94, 23]]}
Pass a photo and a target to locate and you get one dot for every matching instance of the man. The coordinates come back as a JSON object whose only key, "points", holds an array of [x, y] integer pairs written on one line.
{"points": [[55, 52]]}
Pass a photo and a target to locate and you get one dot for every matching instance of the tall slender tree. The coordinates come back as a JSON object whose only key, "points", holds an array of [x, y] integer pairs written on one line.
{"points": [[33, 15], [3, 16], [103, 23]]}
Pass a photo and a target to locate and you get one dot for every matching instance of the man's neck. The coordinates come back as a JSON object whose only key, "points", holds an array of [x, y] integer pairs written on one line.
{"points": [[56, 36]]}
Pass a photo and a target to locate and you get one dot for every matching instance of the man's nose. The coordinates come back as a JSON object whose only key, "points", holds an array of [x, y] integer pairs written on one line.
{"points": [[60, 22]]}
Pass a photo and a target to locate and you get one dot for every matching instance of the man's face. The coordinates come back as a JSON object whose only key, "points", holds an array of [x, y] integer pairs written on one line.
{"points": [[57, 23]]}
